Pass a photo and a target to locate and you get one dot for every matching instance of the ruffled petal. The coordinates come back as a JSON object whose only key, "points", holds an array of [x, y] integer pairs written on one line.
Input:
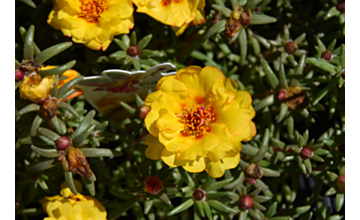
{"points": [[154, 149], [201, 146]]}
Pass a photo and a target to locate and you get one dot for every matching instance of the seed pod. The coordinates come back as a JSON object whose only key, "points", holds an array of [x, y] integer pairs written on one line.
{"points": [[133, 51], [326, 55], [340, 182], [199, 195], [19, 75], [63, 143], [143, 111], [253, 171], [306, 153], [49, 108]]}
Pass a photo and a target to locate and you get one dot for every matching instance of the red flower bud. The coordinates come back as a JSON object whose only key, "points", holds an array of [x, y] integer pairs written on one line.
{"points": [[306, 153], [199, 195], [257, 8], [326, 55], [250, 180], [63, 143], [340, 182], [291, 47], [19, 75], [143, 111], [343, 74], [341, 7], [281, 94], [133, 51], [246, 202], [152, 184]]}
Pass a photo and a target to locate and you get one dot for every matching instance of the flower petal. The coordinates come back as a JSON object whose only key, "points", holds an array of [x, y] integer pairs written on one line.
{"points": [[154, 149], [217, 169], [200, 146]]}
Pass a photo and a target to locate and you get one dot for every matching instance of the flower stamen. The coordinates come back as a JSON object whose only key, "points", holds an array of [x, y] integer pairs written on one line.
{"points": [[196, 120], [91, 9]]}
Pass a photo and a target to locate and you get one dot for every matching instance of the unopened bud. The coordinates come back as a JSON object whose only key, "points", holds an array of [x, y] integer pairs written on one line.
{"points": [[133, 51], [19, 75], [63, 143], [199, 195], [281, 95], [143, 111], [257, 8], [326, 55], [291, 47], [152, 184], [250, 181], [340, 182], [306, 153], [343, 74], [246, 202], [341, 7]]}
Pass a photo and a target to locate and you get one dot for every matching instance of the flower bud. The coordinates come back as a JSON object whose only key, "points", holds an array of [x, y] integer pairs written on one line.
{"points": [[341, 7], [291, 47], [257, 8], [152, 184], [133, 51], [75, 161], [143, 111], [281, 95], [340, 182], [19, 75], [235, 15], [250, 181], [199, 195], [343, 74], [326, 55], [306, 153], [63, 143], [246, 202]]}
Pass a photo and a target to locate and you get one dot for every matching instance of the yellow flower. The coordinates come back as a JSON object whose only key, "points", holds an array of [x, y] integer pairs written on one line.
{"points": [[67, 206], [198, 119], [199, 19], [93, 23], [71, 74], [35, 88], [177, 13]]}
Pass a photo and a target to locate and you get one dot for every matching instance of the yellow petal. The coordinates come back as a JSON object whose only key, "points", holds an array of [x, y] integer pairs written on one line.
{"points": [[70, 212], [226, 142], [158, 108], [195, 166], [154, 149], [171, 159], [175, 144], [201, 146], [90, 211], [169, 122], [236, 118], [200, 83], [65, 190], [249, 132], [152, 97], [217, 169]]}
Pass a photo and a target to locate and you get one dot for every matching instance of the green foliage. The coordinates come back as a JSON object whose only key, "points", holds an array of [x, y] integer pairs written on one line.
{"points": [[290, 186]]}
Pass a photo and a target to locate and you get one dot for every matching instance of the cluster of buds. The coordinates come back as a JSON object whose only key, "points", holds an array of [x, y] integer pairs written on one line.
{"points": [[238, 18]]}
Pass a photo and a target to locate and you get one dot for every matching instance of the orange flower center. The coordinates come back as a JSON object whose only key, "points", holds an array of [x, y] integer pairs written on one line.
{"points": [[168, 2], [196, 120], [91, 9]]}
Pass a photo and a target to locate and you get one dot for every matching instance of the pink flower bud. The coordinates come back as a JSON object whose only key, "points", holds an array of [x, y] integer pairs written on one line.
{"points": [[246, 202], [19, 75], [199, 195], [281, 95], [63, 143], [291, 47], [340, 182], [306, 153], [152, 184], [133, 51], [143, 111], [250, 180]]}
